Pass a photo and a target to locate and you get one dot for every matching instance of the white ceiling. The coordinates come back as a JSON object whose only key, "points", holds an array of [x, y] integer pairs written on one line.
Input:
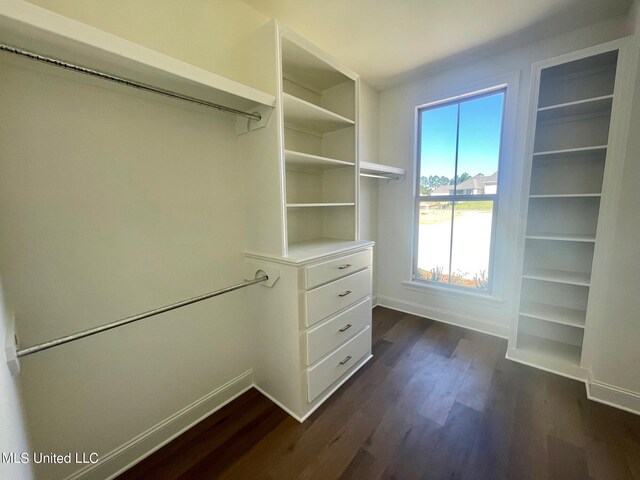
{"points": [[386, 40]]}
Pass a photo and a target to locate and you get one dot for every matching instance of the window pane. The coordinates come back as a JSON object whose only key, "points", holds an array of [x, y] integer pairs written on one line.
{"points": [[434, 241], [472, 243], [438, 149], [459, 152], [479, 145]]}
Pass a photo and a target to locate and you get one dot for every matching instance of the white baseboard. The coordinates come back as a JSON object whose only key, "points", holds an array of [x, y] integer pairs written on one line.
{"points": [[279, 404], [445, 316], [613, 396], [124, 457], [374, 301]]}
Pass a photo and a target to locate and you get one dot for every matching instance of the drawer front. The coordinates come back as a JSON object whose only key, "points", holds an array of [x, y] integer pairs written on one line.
{"points": [[322, 375], [333, 269], [324, 301], [327, 336]]}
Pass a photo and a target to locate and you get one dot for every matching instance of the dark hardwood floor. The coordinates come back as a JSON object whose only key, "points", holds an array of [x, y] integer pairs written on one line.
{"points": [[435, 402]]}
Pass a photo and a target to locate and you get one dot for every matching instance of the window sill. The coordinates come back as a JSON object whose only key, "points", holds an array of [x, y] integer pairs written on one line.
{"points": [[450, 292]]}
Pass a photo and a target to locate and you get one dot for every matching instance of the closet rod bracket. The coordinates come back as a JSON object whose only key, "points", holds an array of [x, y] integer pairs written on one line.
{"points": [[246, 125], [11, 345], [255, 270]]}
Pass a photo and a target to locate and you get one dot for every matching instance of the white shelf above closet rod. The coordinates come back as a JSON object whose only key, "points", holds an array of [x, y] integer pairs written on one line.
{"points": [[32, 28], [124, 81], [385, 172]]}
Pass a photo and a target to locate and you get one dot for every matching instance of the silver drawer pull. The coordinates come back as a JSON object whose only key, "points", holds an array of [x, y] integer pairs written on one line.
{"points": [[342, 267], [346, 327], [345, 360], [344, 294]]}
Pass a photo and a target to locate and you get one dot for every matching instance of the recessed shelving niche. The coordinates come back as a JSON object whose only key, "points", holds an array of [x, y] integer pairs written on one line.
{"points": [[548, 351], [558, 262], [322, 186], [563, 216], [554, 302], [570, 145], [575, 172], [320, 223], [308, 77], [586, 78]]}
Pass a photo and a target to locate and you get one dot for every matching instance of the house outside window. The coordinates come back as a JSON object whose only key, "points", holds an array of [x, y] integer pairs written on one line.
{"points": [[459, 144]]}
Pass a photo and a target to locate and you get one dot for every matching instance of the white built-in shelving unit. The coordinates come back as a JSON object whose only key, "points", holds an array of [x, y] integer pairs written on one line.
{"points": [[569, 150], [319, 122], [314, 326]]}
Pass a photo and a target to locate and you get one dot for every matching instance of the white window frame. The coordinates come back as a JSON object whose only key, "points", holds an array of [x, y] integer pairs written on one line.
{"points": [[506, 170]]}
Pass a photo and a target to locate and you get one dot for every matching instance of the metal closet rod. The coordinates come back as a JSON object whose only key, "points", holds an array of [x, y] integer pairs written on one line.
{"points": [[118, 323], [124, 81]]}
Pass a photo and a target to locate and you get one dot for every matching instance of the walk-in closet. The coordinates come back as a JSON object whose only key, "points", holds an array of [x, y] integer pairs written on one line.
{"points": [[286, 239]]}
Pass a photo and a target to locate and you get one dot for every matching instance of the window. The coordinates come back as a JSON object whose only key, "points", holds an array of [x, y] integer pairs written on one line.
{"points": [[457, 196]]}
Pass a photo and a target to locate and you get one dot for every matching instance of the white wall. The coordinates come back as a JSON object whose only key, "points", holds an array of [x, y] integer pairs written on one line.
{"points": [[368, 152], [113, 202], [13, 435], [395, 202]]}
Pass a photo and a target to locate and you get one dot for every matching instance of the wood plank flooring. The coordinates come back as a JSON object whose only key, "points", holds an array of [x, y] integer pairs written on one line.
{"points": [[435, 402]]}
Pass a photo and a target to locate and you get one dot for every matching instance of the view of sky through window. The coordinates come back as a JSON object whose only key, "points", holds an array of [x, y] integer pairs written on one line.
{"points": [[478, 143]]}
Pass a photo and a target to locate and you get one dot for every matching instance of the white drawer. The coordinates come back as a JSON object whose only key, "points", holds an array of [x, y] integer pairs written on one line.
{"points": [[327, 371], [327, 336], [327, 271], [324, 301]]}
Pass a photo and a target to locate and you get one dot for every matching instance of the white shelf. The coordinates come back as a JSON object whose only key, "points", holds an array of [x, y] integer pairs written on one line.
{"points": [[568, 195], [379, 170], [313, 205], [310, 116], [561, 237], [553, 313], [570, 151], [29, 27], [549, 349], [311, 249], [315, 162], [557, 276], [590, 106]]}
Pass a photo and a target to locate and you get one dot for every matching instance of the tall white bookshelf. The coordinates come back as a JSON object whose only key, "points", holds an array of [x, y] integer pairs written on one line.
{"points": [[567, 168]]}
